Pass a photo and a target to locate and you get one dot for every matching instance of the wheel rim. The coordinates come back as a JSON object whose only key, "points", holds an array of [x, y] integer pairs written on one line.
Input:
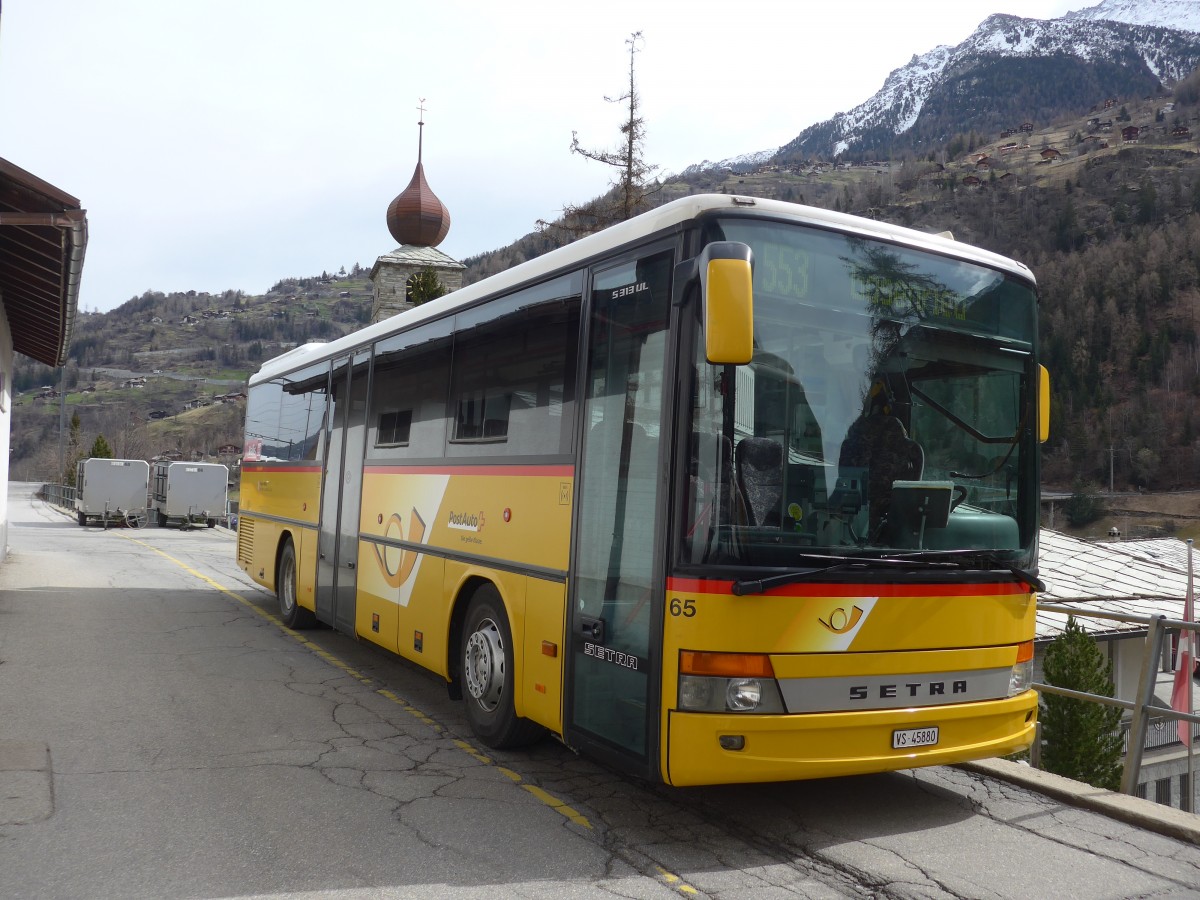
{"points": [[287, 584], [483, 664]]}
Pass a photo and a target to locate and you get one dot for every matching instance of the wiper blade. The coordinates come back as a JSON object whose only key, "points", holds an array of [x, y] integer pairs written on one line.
{"points": [[1023, 575], [971, 559], [917, 560], [761, 585]]}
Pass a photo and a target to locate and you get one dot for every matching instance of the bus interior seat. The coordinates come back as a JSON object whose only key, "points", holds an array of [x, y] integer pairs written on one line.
{"points": [[714, 487], [760, 475]]}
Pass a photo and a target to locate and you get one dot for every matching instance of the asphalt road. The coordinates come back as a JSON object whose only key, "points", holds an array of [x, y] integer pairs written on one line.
{"points": [[161, 735]]}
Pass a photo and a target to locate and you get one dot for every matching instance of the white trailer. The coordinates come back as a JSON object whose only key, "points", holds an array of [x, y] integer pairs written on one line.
{"points": [[111, 490], [186, 493]]}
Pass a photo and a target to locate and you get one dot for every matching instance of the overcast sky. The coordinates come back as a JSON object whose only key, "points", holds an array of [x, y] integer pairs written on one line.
{"points": [[231, 143]]}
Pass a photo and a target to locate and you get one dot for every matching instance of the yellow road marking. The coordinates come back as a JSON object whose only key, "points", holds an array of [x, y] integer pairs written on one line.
{"points": [[674, 881], [550, 800]]}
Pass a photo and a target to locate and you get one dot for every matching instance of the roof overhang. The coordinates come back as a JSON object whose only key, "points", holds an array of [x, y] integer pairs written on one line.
{"points": [[43, 236]]}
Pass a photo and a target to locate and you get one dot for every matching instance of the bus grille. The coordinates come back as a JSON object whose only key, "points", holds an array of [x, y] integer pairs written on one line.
{"points": [[245, 548]]}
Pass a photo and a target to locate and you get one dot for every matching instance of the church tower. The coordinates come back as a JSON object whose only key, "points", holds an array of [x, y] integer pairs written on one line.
{"points": [[418, 221]]}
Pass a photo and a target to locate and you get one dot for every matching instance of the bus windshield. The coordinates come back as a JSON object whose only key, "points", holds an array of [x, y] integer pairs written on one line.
{"points": [[887, 411]]}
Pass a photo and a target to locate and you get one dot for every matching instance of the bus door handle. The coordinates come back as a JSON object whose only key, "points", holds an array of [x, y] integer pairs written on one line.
{"points": [[592, 627]]}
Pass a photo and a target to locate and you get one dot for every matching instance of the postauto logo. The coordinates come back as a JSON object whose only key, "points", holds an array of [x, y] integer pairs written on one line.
{"points": [[465, 521]]}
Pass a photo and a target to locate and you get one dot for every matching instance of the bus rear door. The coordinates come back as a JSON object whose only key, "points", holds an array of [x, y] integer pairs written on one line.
{"points": [[337, 540]]}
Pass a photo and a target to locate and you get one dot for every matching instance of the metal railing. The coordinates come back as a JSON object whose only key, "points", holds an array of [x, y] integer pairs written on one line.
{"points": [[1143, 708], [59, 494], [1160, 734]]}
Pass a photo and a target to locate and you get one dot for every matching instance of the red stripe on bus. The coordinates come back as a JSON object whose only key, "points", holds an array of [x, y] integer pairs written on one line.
{"points": [[882, 589], [544, 471]]}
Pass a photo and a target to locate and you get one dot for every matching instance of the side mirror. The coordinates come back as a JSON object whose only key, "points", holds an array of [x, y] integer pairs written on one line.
{"points": [[727, 292], [1043, 404]]}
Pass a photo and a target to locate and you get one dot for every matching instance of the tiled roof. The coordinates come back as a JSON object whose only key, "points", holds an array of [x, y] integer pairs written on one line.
{"points": [[1120, 577], [422, 256], [1167, 551]]}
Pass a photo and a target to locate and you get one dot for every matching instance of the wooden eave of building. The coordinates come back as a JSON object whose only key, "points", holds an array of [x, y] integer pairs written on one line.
{"points": [[43, 237]]}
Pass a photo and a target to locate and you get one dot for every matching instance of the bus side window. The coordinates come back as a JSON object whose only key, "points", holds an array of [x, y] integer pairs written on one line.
{"points": [[408, 394], [513, 378]]}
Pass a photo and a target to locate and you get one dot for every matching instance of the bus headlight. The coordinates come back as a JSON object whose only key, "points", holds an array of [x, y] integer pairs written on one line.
{"points": [[1021, 679], [728, 682], [702, 693], [695, 693], [743, 694], [1022, 671]]}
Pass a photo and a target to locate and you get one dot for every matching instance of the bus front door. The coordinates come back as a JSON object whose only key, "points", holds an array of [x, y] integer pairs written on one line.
{"points": [[616, 610]]}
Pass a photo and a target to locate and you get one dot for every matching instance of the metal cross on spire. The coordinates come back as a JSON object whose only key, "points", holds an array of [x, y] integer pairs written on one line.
{"points": [[420, 128]]}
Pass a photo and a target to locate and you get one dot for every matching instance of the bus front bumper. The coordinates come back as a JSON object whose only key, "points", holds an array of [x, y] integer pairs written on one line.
{"points": [[823, 745]]}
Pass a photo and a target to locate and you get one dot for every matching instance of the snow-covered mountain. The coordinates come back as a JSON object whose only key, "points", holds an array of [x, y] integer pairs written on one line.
{"points": [[1013, 68], [1113, 48], [1183, 15], [743, 162]]}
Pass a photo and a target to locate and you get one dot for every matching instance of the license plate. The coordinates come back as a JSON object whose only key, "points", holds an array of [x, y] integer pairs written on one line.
{"points": [[914, 737]]}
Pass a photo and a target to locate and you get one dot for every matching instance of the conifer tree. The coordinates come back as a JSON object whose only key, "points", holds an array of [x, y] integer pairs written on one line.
{"points": [[632, 185], [1080, 738], [424, 286], [100, 448]]}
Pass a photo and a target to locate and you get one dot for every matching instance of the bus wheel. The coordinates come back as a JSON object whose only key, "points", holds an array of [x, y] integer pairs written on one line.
{"points": [[82, 520], [292, 613], [487, 670]]}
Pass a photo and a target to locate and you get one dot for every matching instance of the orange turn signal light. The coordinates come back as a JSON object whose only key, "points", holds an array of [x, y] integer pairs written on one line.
{"points": [[725, 665], [1024, 651]]}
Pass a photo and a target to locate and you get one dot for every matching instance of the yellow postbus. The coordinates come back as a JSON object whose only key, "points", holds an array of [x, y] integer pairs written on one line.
{"points": [[737, 490]]}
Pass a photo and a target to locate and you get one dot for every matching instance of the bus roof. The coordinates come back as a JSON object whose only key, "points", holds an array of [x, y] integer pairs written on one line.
{"points": [[665, 217]]}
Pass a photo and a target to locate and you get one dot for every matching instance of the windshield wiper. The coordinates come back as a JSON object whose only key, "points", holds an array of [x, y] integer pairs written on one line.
{"points": [[761, 585], [1023, 575], [911, 561], [972, 559]]}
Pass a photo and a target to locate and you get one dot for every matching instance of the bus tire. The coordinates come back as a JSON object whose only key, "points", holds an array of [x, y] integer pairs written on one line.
{"points": [[162, 519], [292, 613], [486, 657], [82, 520]]}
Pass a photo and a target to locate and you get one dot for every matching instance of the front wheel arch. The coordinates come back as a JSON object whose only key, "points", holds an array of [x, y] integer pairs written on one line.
{"points": [[484, 645]]}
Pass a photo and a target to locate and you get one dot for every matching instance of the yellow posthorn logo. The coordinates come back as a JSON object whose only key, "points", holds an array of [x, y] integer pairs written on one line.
{"points": [[839, 622], [408, 558]]}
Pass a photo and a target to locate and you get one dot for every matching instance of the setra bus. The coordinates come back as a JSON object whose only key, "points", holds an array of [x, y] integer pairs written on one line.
{"points": [[736, 490]]}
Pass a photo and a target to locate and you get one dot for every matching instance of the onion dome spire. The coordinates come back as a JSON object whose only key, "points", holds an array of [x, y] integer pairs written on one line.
{"points": [[417, 217]]}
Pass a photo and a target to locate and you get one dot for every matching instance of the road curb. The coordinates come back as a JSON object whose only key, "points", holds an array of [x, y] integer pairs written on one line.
{"points": [[1132, 810]]}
